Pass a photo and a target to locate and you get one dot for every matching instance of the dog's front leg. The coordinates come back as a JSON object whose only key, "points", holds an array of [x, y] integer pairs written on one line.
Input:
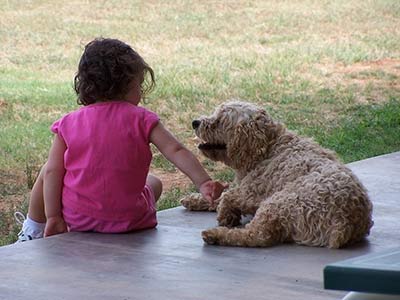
{"points": [[267, 228], [229, 212], [196, 202]]}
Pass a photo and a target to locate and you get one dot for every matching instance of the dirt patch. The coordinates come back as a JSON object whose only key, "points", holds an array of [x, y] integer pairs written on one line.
{"points": [[374, 75], [172, 180], [3, 105], [388, 66], [371, 81], [13, 189], [386, 63]]}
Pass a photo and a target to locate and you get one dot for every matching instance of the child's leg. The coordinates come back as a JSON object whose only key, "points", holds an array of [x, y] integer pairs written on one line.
{"points": [[155, 184], [36, 200], [33, 225]]}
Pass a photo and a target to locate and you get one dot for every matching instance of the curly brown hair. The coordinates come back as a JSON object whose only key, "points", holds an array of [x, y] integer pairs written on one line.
{"points": [[106, 70]]}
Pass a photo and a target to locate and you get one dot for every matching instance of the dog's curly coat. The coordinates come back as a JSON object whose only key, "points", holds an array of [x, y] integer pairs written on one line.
{"points": [[296, 190]]}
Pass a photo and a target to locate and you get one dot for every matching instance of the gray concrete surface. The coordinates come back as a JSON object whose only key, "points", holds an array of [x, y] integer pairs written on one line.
{"points": [[171, 262]]}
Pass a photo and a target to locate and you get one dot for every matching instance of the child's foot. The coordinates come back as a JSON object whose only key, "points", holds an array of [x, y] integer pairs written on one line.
{"points": [[31, 230]]}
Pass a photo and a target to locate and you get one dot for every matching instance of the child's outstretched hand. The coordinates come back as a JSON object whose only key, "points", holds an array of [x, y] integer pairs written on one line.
{"points": [[55, 225], [211, 190]]}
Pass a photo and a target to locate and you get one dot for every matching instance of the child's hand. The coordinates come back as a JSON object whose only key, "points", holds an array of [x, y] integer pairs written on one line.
{"points": [[55, 225], [211, 190]]}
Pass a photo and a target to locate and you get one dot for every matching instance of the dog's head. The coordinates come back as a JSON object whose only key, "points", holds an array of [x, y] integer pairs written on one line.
{"points": [[237, 133]]}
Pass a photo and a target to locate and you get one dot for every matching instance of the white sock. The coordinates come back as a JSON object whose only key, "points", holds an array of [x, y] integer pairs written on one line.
{"points": [[33, 228]]}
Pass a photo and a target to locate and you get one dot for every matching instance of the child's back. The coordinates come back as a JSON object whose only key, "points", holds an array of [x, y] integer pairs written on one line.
{"points": [[107, 159]]}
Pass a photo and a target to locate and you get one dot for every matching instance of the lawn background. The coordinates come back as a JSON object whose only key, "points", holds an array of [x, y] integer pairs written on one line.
{"points": [[328, 69]]}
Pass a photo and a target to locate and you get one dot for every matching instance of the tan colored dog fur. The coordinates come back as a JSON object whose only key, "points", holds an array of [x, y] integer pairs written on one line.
{"points": [[296, 190]]}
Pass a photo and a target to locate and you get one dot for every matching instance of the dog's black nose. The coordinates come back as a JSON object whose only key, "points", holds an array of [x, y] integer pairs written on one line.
{"points": [[195, 124]]}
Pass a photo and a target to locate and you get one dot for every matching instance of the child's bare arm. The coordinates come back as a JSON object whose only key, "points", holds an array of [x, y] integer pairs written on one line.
{"points": [[52, 188], [185, 161]]}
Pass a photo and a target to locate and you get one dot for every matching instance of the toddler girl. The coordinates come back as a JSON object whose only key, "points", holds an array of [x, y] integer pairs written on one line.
{"points": [[97, 174]]}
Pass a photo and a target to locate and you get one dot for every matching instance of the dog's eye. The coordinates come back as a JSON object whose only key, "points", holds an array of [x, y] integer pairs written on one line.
{"points": [[215, 123]]}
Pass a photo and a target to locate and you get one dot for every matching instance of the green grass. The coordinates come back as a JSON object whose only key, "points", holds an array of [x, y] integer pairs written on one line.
{"points": [[328, 69], [367, 131], [171, 198]]}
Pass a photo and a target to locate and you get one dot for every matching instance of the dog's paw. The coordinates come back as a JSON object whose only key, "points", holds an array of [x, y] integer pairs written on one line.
{"points": [[195, 202], [229, 220], [185, 202], [210, 236]]}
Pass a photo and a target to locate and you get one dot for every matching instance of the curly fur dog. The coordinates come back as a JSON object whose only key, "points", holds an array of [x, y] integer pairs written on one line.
{"points": [[297, 191]]}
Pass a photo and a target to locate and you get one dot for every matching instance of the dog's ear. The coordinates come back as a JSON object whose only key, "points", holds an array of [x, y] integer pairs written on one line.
{"points": [[251, 141]]}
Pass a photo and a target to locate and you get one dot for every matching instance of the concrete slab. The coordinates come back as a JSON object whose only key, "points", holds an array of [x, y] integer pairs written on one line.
{"points": [[171, 262]]}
